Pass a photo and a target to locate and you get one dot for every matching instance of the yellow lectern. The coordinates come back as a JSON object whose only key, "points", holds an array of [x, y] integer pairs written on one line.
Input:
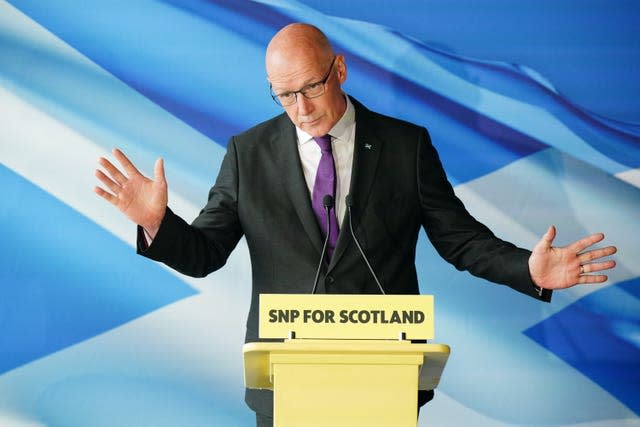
{"points": [[348, 360]]}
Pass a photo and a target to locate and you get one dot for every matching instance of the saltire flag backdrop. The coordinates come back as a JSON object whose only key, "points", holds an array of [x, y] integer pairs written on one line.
{"points": [[533, 106]]}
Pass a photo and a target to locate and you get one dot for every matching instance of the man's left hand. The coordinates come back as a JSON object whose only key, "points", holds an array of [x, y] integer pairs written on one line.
{"points": [[563, 267]]}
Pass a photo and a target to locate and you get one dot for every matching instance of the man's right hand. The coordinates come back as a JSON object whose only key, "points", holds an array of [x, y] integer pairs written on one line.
{"points": [[142, 200]]}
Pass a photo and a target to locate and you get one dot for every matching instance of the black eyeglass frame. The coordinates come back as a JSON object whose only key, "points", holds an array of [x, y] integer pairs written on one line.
{"points": [[304, 90]]}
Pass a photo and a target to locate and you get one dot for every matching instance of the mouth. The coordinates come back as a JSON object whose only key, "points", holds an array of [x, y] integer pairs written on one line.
{"points": [[312, 122]]}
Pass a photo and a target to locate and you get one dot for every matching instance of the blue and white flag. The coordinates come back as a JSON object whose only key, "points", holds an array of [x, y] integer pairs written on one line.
{"points": [[93, 335]]}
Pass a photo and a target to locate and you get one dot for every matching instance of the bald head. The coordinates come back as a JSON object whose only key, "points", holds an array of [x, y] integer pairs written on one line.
{"points": [[297, 43], [300, 59]]}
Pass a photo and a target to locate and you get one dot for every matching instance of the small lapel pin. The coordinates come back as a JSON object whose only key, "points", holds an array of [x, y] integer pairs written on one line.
{"points": [[368, 146]]}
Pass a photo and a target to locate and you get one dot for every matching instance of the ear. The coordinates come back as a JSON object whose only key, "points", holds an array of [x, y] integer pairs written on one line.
{"points": [[341, 68]]}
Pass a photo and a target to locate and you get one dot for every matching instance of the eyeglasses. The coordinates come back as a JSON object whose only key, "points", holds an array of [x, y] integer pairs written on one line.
{"points": [[310, 91]]}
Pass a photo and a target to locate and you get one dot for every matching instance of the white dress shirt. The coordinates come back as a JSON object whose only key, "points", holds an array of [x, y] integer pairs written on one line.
{"points": [[342, 142]]}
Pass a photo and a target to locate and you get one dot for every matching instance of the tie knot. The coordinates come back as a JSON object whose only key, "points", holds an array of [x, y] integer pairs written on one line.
{"points": [[324, 142]]}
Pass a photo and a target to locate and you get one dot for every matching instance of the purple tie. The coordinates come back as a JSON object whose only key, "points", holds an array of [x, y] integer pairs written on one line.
{"points": [[325, 184]]}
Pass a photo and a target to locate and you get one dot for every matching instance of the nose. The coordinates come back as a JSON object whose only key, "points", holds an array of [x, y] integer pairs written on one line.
{"points": [[305, 105]]}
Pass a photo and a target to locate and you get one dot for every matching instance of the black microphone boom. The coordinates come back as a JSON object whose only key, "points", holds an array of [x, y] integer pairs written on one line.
{"points": [[327, 202], [349, 201]]}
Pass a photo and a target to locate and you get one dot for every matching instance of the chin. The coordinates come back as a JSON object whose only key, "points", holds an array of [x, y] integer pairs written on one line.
{"points": [[316, 129]]}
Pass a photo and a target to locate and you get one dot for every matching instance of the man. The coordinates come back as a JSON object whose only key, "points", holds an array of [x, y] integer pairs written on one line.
{"points": [[271, 185]]}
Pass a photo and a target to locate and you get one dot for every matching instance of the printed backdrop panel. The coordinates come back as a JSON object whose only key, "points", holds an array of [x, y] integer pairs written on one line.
{"points": [[514, 97]]}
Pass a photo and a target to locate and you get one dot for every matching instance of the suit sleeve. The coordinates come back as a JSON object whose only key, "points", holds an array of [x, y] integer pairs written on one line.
{"points": [[205, 245], [459, 238]]}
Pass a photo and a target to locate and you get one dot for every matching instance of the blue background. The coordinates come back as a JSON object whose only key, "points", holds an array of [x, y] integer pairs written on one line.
{"points": [[532, 106]]}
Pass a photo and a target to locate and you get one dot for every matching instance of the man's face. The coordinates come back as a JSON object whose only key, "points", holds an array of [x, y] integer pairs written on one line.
{"points": [[289, 73]]}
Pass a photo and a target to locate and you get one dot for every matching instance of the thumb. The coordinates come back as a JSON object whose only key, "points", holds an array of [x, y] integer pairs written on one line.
{"points": [[158, 171], [547, 240]]}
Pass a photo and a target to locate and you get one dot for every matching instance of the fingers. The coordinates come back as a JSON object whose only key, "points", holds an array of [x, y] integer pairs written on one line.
{"points": [[108, 182], [116, 178], [105, 195], [596, 266], [129, 168], [587, 266], [113, 179], [580, 245], [592, 278], [585, 277], [594, 254], [113, 171]]}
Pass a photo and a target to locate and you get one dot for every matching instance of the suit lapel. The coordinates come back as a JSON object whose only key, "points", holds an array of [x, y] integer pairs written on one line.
{"points": [[366, 155], [284, 145]]}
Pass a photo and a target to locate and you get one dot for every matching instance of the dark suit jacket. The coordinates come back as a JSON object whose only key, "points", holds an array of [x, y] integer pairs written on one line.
{"points": [[398, 185]]}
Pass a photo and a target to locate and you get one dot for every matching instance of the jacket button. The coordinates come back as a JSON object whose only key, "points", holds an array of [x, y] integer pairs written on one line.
{"points": [[329, 279]]}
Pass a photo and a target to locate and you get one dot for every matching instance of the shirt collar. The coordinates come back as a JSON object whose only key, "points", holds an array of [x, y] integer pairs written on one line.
{"points": [[339, 131]]}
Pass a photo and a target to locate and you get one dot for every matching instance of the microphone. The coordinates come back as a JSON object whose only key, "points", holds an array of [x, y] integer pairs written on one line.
{"points": [[349, 201], [327, 202]]}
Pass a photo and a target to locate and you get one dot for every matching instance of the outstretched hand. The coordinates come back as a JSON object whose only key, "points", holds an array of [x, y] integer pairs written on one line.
{"points": [[558, 268], [142, 200]]}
